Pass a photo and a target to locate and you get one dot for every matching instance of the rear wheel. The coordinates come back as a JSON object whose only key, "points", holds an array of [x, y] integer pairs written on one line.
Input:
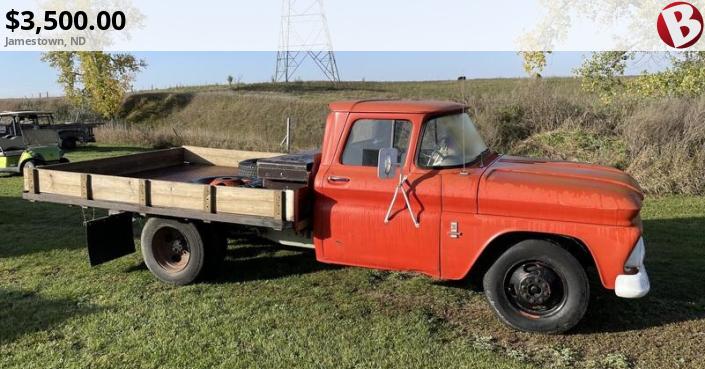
{"points": [[537, 286], [181, 252]]}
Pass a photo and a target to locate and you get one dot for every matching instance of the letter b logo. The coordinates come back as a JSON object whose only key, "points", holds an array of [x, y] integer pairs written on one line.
{"points": [[680, 25]]}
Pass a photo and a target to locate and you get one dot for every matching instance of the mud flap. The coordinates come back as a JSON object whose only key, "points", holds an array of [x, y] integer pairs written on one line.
{"points": [[109, 238]]}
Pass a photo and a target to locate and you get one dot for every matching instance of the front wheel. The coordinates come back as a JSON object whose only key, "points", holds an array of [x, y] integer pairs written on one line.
{"points": [[537, 286]]}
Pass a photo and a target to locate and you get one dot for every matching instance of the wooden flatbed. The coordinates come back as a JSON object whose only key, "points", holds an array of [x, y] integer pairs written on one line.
{"points": [[164, 183]]}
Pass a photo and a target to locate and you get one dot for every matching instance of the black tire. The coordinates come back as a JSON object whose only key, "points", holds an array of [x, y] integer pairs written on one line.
{"points": [[64, 161], [179, 253], [537, 286], [68, 143], [247, 168]]}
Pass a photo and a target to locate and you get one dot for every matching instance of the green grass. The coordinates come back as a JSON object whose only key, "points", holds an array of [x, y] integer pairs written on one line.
{"points": [[280, 308]]}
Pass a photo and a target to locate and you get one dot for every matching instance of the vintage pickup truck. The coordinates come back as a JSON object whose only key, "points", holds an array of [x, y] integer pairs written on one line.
{"points": [[397, 185]]}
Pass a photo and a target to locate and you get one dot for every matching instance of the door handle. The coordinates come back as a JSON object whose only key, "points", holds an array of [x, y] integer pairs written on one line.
{"points": [[338, 179]]}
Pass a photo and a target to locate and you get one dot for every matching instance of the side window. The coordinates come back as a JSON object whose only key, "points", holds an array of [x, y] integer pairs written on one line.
{"points": [[43, 120], [368, 136]]}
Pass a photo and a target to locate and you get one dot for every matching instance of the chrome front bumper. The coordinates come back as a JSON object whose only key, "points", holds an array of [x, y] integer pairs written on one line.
{"points": [[637, 285]]}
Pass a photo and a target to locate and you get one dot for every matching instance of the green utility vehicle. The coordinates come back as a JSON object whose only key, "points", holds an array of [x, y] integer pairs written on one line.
{"points": [[70, 134], [24, 147]]}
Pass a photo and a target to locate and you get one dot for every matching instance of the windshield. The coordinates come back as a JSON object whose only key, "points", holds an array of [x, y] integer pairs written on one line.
{"points": [[450, 141]]}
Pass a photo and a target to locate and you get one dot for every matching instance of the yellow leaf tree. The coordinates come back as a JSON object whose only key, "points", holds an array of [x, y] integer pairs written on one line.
{"points": [[95, 79]]}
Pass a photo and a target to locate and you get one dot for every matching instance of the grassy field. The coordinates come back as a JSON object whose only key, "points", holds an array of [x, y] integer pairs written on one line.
{"points": [[279, 308]]}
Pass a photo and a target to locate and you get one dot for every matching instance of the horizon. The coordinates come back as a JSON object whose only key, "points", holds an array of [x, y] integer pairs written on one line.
{"points": [[29, 77]]}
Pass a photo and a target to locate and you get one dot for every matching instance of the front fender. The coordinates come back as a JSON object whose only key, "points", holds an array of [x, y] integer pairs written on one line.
{"points": [[609, 246], [30, 155]]}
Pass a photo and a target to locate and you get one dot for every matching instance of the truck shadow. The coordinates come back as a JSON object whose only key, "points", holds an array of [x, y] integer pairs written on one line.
{"points": [[24, 312], [675, 262], [262, 260], [27, 228]]}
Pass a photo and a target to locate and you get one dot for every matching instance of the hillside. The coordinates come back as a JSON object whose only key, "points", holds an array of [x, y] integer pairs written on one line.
{"points": [[660, 142]]}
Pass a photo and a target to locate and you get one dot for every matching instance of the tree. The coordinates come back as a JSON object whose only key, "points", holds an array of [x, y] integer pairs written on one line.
{"points": [[600, 73], [95, 79], [230, 80], [534, 62], [603, 73]]}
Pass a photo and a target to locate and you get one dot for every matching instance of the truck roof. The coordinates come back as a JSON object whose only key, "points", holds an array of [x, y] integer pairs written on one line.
{"points": [[395, 106]]}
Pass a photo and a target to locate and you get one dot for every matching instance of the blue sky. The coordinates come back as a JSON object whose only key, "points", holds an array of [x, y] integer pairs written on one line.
{"points": [[22, 74]]}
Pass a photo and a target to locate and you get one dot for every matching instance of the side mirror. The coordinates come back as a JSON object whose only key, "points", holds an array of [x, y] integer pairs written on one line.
{"points": [[387, 163]]}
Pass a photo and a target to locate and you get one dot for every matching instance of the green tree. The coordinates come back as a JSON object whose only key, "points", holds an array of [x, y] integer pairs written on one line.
{"points": [[95, 79], [603, 74], [230, 80]]}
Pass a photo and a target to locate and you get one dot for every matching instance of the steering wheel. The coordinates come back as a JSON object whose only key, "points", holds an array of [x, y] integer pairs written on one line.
{"points": [[438, 154]]}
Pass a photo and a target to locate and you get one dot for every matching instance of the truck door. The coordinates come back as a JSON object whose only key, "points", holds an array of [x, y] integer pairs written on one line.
{"points": [[357, 200]]}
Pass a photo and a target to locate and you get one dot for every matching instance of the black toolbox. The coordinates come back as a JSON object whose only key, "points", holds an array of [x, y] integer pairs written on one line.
{"points": [[287, 170]]}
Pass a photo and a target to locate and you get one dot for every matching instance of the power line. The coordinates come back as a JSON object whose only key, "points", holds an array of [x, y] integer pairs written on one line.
{"points": [[305, 34]]}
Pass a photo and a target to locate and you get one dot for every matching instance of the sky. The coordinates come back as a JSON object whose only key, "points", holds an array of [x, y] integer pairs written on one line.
{"points": [[371, 25], [23, 74]]}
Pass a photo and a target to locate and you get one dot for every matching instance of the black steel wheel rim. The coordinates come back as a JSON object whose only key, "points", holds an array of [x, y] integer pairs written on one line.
{"points": [[535, 289]]}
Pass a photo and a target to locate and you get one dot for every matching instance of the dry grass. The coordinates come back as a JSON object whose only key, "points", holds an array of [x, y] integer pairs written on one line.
{"points": [[661, 142]]}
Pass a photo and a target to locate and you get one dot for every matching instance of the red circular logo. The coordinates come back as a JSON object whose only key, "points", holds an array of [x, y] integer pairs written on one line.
{"points": [[680, 25]]}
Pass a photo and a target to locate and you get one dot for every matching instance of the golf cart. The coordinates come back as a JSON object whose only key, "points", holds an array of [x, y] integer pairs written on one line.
{"points": [[23, 147], [70, 134]]}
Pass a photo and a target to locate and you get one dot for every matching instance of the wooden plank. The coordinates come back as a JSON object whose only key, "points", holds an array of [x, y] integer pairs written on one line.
{"points": [[256, 221], [31, 181], [176, 195], [112, 188], [144, 192], [126, 164], [221, 157], [209, 195], [86, 190], [59, 183], [277, 200], [248, 201]]}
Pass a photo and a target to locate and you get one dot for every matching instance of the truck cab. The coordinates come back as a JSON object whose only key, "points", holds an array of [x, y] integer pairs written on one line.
{"points": [[527, 228]]}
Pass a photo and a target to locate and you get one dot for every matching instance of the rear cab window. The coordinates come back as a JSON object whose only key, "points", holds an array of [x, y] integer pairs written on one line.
{"points": [[368, 136]]}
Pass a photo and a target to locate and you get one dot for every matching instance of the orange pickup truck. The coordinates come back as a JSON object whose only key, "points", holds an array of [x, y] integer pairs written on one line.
{"points": [[397, 185]]}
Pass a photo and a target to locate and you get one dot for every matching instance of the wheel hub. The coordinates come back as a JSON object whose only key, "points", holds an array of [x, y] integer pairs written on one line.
{"points": [[534, 288], [171, 250]]}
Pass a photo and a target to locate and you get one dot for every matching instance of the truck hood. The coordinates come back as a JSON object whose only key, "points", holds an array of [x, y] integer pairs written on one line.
{"points": [[559, 190]]}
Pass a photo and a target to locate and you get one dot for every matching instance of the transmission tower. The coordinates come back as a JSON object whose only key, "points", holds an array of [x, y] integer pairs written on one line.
{"points": [[304, 34]]}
